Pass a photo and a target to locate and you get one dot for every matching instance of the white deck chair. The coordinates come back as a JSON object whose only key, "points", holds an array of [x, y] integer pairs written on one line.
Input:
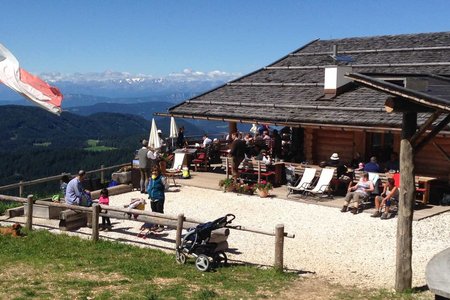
{"points": [[305, 182], [176, 167], [323, 183]]}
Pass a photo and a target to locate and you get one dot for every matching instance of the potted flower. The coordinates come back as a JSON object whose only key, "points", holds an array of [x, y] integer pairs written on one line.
{"points": [[228, 185], [244, 188], [263, 189]]}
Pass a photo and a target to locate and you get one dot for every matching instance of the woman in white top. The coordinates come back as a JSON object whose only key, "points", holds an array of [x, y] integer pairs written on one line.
{"points": [[357, 192]]}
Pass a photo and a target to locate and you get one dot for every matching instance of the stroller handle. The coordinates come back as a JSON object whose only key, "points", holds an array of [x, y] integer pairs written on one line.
{"points": [[231, 216]]}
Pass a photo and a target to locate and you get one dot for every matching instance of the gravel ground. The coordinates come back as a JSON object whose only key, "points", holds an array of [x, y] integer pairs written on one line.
{"points": [[340, 247]]}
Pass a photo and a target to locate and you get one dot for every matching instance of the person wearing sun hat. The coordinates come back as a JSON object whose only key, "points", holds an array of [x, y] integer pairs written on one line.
{"points": [[335, 162]]}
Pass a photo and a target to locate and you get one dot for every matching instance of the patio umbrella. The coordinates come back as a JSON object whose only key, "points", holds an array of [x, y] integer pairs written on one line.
{"points": [[153, 140], [173, 129]]}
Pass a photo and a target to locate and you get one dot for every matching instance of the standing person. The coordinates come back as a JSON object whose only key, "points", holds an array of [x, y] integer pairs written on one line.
{"points": [[156, 190], [237, 154], [180, 139], [104, 200], [144, 165], [276, 144], [75, 190]]}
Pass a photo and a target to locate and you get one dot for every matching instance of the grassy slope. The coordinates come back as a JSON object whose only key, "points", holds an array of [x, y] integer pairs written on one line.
{"points": [[47, 266]]}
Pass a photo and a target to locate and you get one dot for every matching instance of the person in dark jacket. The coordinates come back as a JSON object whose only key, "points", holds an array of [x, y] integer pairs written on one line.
{"points": [[237, 154], [155, 191], [276, 144]]}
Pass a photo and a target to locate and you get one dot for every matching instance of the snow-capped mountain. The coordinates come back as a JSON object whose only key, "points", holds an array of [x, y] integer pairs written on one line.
{"points": [[112, 84]]}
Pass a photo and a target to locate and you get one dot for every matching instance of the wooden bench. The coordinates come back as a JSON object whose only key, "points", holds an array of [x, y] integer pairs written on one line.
{"points": [[72, 220], [250, 169]]}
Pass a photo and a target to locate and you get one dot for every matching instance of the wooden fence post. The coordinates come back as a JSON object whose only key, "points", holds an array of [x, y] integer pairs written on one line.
{"points": [[180, 221], [102, 174], [279, 244], [29, 224], [95, 216], [21, 188]]}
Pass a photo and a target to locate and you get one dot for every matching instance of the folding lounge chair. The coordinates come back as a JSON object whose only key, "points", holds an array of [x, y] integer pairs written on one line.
{"points": [[304, 182], [176, 167], [323, 183]]}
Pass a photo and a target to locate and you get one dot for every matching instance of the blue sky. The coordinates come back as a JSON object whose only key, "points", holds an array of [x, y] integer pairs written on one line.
{"points": [[162, 37]]}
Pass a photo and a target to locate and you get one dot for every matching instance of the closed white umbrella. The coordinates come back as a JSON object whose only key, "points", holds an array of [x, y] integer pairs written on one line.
{"points": [[153, 140], [173, 129]]}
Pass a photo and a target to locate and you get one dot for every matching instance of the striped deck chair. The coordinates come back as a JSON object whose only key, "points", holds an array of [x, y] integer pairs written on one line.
{"points": [[323, 183], [305, 182]]}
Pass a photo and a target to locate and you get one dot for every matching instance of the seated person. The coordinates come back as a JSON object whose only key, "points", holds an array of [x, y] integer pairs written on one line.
{"points": [[393, 164], [335, 162], [206, 141], [358, 192], [372, 166], [264, 157], [390, 193]]}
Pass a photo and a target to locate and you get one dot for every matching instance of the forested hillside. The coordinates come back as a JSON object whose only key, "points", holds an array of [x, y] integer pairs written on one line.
{"points": [[35, 143]]}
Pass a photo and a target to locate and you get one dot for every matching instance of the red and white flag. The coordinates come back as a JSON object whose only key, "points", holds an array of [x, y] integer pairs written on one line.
{"points": [[30, 86]]}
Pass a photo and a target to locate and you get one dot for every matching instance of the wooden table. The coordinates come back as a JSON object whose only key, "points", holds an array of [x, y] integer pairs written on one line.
{"points": [[426, 182]]}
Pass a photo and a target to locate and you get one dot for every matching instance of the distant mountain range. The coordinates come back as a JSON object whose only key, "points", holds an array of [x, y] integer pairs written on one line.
{"points": [[174, 87]]}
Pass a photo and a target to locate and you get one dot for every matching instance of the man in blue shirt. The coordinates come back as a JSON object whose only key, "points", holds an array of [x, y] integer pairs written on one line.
{"points": [[372, 166], [74, 189]]}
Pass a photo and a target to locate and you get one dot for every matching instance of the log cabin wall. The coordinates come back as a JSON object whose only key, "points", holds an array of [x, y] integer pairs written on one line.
{"points": [[328, 141], [430, 161]]}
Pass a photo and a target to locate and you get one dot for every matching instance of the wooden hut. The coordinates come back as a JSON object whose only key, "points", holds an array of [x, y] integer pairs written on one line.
{"points": [[317, 91]]}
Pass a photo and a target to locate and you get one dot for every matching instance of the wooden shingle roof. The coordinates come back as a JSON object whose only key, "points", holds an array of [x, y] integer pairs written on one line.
{"points": [[290, 91]]}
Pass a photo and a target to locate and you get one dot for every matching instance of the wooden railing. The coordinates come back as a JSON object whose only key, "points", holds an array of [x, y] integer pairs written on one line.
{"points": [[179, 222], [22, 184]]}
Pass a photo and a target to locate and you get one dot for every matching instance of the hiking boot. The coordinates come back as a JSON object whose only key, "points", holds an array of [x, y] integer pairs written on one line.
{"points": [[376, 214], [385, 216], [354, 210], [344, 208]]}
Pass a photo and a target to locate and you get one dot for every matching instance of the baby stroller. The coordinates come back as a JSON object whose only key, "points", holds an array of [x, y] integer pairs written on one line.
{"points": [[207, 242]]}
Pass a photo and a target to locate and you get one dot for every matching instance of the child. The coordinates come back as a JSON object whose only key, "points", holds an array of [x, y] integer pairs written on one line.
{"points": [[104, 200], [63, 187], [155, 190]]}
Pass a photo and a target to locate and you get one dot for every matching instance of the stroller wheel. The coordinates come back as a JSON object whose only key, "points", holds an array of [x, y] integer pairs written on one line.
{"points": [[220, 258], [180, 257], [202, 263]]}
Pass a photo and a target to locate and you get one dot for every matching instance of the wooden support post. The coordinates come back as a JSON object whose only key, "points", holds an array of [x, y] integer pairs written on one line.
{"points": [[180, 221], [102, 174], [403, 274], [95, 215], [20, 189], [227, 170], [29, 224], [232, 127], [279, 245], [259, 171]]}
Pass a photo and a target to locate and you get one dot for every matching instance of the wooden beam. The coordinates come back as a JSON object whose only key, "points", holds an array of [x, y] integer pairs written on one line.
{"points": [[403, 272], [432, 134], [397, 104], [424, 127]]}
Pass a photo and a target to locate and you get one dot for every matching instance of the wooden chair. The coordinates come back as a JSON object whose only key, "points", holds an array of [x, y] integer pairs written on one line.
{"points": [[201, 161], [177, 166]]}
